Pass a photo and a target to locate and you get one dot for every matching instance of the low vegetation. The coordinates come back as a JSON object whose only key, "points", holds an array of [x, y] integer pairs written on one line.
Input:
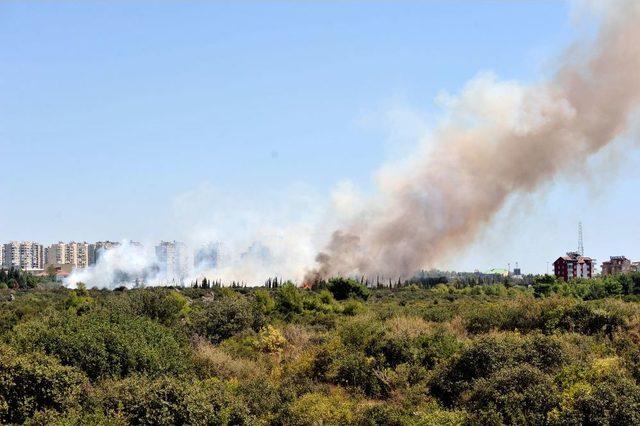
{"points": [[426, 352]]}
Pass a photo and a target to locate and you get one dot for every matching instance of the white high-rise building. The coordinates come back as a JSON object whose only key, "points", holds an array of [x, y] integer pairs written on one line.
{"points": [[26, 255], [173, 259], [11, 255], [56, 254], [72, 253], [98, 248]]}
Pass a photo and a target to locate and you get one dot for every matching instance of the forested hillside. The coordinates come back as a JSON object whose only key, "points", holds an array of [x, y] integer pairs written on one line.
{"points": [[338, 354]]}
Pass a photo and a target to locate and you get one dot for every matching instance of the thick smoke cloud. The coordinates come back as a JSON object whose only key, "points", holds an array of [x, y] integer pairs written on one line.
{"points": [[255, 238], [123, 265], [498, 139]]}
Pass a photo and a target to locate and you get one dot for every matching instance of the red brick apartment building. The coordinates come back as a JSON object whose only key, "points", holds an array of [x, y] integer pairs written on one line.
{"points": [[573, 265]]}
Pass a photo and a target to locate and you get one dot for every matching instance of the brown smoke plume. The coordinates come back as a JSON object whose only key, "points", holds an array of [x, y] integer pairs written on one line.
{"points": [[500, 139]]}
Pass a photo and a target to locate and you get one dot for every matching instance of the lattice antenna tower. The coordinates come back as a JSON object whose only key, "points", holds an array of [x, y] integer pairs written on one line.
{"points": [[580, 244]]}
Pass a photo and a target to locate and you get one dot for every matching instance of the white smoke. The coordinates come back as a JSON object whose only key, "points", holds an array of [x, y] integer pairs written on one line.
{"points": [[259, 237], [496, 140], [121, 265]]}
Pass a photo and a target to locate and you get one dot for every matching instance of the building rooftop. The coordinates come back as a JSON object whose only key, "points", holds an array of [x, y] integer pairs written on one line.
{"points": [[576, 257]]}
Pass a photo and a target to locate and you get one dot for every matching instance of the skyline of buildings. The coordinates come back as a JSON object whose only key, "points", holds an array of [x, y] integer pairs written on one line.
{"points": [[176, 261], [173, 259]]}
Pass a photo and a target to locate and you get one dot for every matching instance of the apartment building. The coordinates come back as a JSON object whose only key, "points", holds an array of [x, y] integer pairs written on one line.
{"points": [[98, 248], [617, 265], [573, 265], [26, 255], [72, 253], [77, 254], [173, 260]]}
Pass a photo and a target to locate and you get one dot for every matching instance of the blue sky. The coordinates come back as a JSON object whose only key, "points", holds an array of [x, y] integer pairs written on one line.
{"points": [[109, 111]]}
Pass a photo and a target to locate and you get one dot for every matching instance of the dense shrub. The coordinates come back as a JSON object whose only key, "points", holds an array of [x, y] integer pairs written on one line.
{"points": [[289, 300], [169, 401], [491, 353], [610, 400], [343, 288], [458, 353], [167, 307], [385, 415], [33, 382], [104, 345], [357, 371], [225, 317], [513, 395], [211, 361], [313, 408], [411, 340]]}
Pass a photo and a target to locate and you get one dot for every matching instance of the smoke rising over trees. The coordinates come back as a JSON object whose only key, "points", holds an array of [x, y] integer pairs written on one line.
{"points": [[498, 139]]}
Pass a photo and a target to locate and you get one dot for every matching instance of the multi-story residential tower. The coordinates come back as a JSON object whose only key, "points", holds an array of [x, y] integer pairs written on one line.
{"points": [[573, 265], [72, 253], [173, 260], [56, 254], [98, 248], [616, 265], [26, 255], [77, 254], [11, 255]]}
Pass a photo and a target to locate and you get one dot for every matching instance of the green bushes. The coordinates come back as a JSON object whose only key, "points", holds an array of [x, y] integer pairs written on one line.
{"points": [[547, 315], [166, 307], [591, 289], [411, 340], [15, 279], [103, 344], [355, 370], [489, 354], [169, 401], [292, 356], [610, 400], [289, 300], [316, 408], [343, 288], [513, 395], [224, 317], [34, 382]]}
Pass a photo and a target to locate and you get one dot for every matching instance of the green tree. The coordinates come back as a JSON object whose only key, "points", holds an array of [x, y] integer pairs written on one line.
{"points": [[344, 288], [289, 300], [514, 395], [225, 317], [33, 382]]}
